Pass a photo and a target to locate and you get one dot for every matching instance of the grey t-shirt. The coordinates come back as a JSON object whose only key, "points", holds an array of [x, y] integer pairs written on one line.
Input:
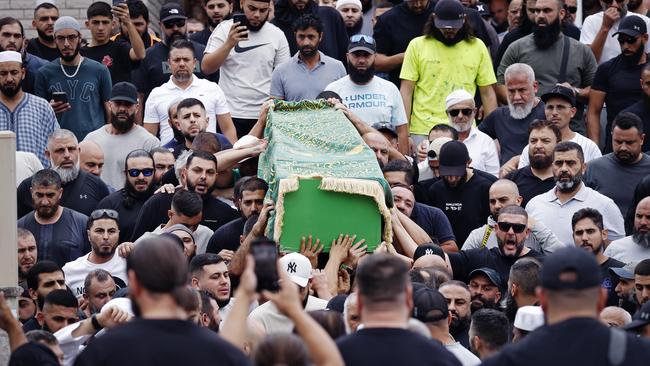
{"points": [[293, 81], [117, 147], [615, 180], [580, 70]]}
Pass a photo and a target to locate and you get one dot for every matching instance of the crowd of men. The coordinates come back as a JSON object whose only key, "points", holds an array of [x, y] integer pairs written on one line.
{"points": [[511, 137]]}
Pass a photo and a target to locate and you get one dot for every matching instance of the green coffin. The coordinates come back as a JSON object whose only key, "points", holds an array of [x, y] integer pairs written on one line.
{"points": [[323, 178]]}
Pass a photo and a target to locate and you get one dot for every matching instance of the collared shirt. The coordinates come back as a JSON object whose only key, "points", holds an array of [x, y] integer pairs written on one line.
{"points": [[209, 93], [294, 81], [483, 152], [548, 209], [32, 121]]}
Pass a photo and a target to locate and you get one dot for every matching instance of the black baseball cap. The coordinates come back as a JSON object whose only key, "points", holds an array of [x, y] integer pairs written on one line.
{"points": [[632, 26], [385, 126], [428, 249], [361, 42], [641, 318], [562, 92], [171, 11], [570, 268], [493, 275], [453, 158], [429, 305], [449, 14], [124, 91]]}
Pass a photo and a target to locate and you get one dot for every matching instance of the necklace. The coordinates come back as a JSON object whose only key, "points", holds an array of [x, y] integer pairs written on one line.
{"points": [[81, 59]]}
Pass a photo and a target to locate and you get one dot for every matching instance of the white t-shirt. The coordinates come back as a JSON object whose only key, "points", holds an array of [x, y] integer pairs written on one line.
{"points": [[589, 149], [245, 75], [77, 270], [377, 101], [117, 147], [201, 235], [626, 250], [209, 93], [611, 49], [26, 165], [463, 355], [273, 321]]}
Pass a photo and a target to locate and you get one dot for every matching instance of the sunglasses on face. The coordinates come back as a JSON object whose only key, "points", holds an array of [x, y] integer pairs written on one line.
{"points": [[506, 226], [98, 214], [571, 9], [465, 111], [628, 40], [147, 172], [180, 23], [608, 2]]}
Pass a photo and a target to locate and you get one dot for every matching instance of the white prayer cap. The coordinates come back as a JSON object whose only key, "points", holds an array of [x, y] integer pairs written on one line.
{"points": [[39, 2], [457, 96], [529, 318], [11, 56], [341, 3]]}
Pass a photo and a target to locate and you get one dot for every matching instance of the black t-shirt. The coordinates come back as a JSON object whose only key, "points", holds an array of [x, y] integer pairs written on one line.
{"points": [[144, 342], [392, 346], [609, 281], [82, 194], [433, 221], [421, 190], [642, 110], [128, 215], [154, 212], [465, 261], [511, 133], [577, 341], [116, 57], [154, 70], [202, 37], [466, 206], [398, 26], [227, 236], [62, 241], [529, 185], [37, 48]]}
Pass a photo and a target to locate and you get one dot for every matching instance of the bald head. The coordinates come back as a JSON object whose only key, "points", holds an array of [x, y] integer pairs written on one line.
{"points": [[91, 157], [432, 261], [614, 316], [378, 143], [503, 192]]}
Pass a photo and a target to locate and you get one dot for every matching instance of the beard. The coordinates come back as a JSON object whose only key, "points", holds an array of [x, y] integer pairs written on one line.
{"points": [[169, 39], [634, 58], [571, 185], [545, 37], [182, 76], [74, 54], [47, 212], [540, 162], [520, 247], [511, 308], [522, 112], [255, 28], [459, 325], [460, 35], [361, 77], [192, 188], [486, 304], [10, 91], [67, 174], [139, 195], [626, 157], [640, 238], [462, 127], [44, 36], [122, 125], [308, 51], [460, 182], [97, 249]]}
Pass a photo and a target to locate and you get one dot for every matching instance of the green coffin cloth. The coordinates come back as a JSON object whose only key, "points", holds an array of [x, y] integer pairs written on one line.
{"points": [[322, 176]]}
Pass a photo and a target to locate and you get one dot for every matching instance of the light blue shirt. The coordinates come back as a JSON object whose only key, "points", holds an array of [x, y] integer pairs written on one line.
{"points": [[294, 81]]}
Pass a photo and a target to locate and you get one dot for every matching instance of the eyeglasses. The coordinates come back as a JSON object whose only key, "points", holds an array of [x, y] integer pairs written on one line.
{"points": [[147, 172], [180, 23], [571, 9], [506, 226], [628, 40], [611, 1], [466, 111], [98, 214], [70, 38], [362, 37]]}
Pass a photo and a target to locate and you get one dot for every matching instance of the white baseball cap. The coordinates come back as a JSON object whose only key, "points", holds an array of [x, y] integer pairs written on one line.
{"points": [[298, 267], [529, 318]]}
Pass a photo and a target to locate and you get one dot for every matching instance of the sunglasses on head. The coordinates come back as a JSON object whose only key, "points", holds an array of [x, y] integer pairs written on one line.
{"points": [[625, 39], [98, 214], [177, 22], [147, 172], [464, 111], [506, 226], [571, 9], [359, 37]]}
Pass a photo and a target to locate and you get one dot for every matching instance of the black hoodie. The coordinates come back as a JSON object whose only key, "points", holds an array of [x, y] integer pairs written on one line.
{"points": [[335, 37]]}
